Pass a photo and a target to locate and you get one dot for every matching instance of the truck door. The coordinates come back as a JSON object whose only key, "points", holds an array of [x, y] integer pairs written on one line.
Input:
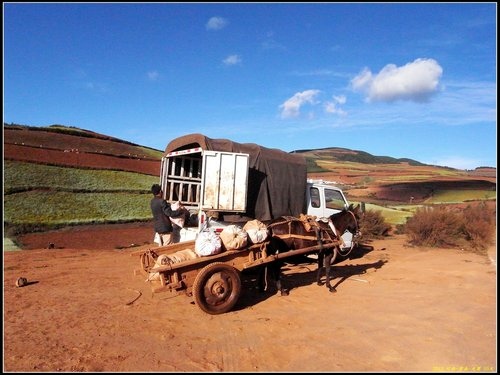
{"points": [[315, 203], [206, 180], [180, 177], [224, 181]]}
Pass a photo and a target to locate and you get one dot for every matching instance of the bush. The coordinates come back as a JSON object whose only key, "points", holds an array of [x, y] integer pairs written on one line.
{"points": [[437, 227], [479, 225], [441, 227], [372, 225]]}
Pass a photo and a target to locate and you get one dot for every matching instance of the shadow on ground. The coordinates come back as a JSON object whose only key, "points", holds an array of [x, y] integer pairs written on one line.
{"points": [[301, 271]]}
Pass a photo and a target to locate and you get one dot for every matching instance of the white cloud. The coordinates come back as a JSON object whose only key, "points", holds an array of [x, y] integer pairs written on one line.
{"points": [[291, 107], [341, 99], [415, 81], [332, 106], [232, 60], [216, 23], [153, 75]]}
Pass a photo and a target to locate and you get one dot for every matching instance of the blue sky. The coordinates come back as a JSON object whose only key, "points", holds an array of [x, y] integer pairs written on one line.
{"points": [[403, 80]]}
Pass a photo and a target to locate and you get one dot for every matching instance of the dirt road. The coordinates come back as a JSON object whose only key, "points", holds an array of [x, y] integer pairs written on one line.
{"points": [[397, 308]]}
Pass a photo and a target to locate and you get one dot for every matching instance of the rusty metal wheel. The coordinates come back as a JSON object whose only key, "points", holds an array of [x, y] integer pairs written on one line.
{"points": [[217, 288]]}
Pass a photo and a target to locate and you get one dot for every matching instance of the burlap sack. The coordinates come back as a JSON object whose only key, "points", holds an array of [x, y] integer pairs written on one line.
{"points": [[182, 256], [256, 231], [234, 237]]}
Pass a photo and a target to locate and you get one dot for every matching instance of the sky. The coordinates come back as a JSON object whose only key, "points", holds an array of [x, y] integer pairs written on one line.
{"points": [[405, 80]]}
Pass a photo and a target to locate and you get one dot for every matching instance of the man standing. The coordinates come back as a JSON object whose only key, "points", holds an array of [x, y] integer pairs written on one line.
{"points": [[161, 210]]}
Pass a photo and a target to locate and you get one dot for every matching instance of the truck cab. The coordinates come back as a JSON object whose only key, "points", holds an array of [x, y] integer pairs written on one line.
{"points": [[324, 199]]}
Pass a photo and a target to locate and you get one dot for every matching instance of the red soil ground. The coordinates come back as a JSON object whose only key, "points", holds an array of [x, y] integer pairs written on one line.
{"points": [[397, 308]]}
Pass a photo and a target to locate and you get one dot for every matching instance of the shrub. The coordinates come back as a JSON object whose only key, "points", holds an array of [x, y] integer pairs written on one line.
{"points": [[437, 227], [441, 227], [372, 225], [479, 225]]}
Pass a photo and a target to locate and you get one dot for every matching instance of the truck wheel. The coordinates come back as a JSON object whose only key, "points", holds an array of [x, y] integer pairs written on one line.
{"points": [[217, 288]]}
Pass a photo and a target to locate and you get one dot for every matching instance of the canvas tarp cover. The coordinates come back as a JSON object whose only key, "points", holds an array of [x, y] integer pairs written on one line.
{"points": [[276, 179]]}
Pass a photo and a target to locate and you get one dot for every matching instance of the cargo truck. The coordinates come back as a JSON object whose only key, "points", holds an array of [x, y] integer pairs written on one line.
{"points": [[224, 182]]}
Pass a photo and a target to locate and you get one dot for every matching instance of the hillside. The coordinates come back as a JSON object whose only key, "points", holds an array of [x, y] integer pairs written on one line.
{"points": [[80, 148], [383, 179], [28, 143], [354, 164], [355, 156], [57, 176], [60, 176], [73, 147]]}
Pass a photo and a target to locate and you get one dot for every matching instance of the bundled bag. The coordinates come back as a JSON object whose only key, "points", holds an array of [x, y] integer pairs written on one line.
{"points": [[177, 257], [180, 220], [234, 237], [256, 231], [207, 243], [164, 259]]}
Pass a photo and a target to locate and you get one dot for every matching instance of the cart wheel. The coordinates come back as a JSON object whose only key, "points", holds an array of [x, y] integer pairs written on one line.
{"points": [[148, 260], [217, 288]]}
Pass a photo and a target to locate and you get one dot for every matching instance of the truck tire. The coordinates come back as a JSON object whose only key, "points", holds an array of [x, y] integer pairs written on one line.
{"points": [[217, 288]]}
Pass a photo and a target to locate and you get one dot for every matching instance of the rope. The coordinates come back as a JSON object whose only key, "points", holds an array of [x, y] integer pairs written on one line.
{"points": [[288, 219], [136, 298], [355, 220]]}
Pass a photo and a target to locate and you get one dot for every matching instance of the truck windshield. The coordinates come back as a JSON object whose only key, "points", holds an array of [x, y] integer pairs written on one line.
{"points": [[334, 199]]}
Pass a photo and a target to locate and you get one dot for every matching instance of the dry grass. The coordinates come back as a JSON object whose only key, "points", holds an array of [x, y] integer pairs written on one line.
{"points": [[473, 227]]}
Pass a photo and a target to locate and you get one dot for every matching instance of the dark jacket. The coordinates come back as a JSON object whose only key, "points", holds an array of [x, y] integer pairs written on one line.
{"points": [[161, 211]]}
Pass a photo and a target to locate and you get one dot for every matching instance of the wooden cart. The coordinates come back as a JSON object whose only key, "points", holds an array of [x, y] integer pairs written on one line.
{"points": [[214, 281]]}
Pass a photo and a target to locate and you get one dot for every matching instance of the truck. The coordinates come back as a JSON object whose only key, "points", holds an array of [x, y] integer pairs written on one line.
{"points": [[222, 182]]}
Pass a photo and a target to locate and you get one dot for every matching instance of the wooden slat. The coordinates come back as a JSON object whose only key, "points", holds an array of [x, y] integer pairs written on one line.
{"points": [[167, 249]]}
